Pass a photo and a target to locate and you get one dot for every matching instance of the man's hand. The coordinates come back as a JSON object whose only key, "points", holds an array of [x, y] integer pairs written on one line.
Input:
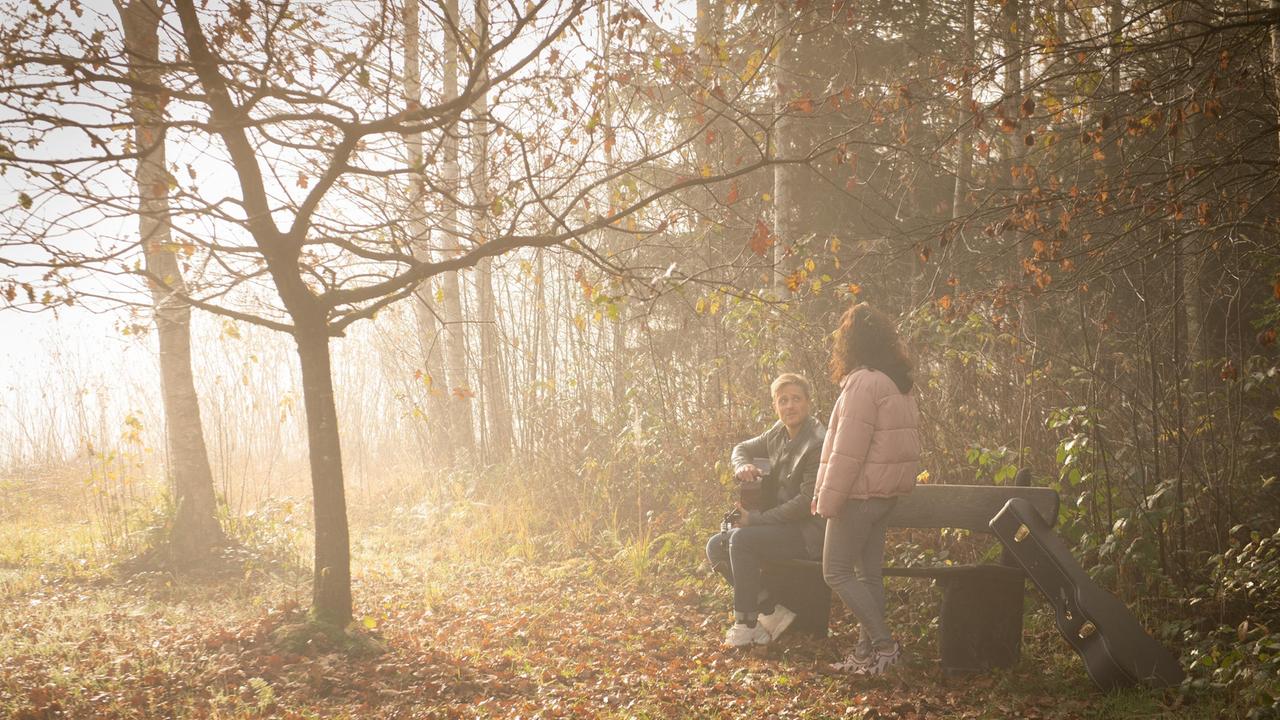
{"points": [[748, 472], [813, 506]]}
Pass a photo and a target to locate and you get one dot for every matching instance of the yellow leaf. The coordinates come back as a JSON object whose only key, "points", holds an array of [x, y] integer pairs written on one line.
{"points": [[753, 64]]}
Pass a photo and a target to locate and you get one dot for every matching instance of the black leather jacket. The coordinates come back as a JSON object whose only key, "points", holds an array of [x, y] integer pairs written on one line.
{"points": [[788, 487]]}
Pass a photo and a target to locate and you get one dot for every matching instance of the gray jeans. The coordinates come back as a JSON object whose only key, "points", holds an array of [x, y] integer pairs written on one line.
{"points": [[852, 555]]}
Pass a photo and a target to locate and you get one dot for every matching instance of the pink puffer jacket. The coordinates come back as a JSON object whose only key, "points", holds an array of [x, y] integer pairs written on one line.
{"points": [[872, 446]]}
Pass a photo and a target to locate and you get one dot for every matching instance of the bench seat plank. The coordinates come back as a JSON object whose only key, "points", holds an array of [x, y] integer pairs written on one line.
{"points": [[970, 507], [941, 572]]}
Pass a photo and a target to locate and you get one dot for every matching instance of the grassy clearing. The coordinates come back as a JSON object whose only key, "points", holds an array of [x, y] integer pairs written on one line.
{"points": [[623, 631]]}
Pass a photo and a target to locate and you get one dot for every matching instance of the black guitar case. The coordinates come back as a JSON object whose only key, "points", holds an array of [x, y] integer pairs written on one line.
{"points": [[1116, 650]]}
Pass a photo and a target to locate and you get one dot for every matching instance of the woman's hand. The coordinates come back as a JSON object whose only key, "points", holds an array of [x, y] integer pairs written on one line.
{"points": [[748, 472], [813, 506]]}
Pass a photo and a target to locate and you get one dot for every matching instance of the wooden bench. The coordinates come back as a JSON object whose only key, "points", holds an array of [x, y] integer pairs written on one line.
{"points": [[980, 616]]}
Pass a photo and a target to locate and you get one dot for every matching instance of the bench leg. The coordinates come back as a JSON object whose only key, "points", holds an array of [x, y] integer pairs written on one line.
{"points": [[980, 622], [804, 592]]}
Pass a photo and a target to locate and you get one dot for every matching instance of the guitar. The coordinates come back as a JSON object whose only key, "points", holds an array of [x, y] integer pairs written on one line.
{"points": [[1116, 649]]}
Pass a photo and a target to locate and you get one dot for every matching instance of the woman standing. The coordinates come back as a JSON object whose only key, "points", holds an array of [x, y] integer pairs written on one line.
{"points": [[870, 456]]}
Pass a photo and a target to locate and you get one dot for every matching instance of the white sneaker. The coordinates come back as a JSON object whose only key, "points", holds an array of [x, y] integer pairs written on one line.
{"points": [[740, 635], [880, 660], [853, 662], [777, 621]]}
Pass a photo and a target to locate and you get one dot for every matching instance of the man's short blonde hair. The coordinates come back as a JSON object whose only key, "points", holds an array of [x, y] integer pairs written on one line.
{"points": [[785, 379]]}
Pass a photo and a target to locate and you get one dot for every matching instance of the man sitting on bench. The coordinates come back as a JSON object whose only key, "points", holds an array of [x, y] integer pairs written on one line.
{"points": [[783, 528]]}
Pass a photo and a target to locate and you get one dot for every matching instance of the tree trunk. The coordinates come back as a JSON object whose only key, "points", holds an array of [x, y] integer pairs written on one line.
{"points": [[331, 592], [493, 376], [1275, 57], [455, 341], [428, 325], [195, 531], [964, 164], [785, 176]]}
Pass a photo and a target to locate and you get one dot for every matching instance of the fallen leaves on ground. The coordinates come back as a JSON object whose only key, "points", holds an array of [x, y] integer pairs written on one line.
{"points": [[510, 640]]}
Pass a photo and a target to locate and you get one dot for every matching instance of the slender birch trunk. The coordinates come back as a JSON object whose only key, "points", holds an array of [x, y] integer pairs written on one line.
{"points": [[493, 375], [455, 341], [426, 321], [195, 531]]}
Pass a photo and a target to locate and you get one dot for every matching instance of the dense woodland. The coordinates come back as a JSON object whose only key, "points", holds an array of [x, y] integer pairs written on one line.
{"points": [[464, 281]]}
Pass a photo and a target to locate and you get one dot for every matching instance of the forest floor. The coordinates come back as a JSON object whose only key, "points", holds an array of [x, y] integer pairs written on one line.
{"points": [[463, 637]]}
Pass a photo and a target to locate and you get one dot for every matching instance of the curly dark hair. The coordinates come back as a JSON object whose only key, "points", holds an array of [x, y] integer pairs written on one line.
{"points": [[866, 337]]}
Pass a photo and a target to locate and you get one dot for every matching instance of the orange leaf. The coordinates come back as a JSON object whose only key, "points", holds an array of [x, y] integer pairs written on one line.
{"points": [[804, 105], [761, 239], [732, 197], [794, 279]]}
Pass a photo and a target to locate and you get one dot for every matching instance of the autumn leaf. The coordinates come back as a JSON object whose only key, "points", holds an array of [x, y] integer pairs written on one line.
{"points": [[804, 105], [732, 197], [944, 303], [761, 239], [303, 180], [853, 289], [1229, 371], [794, 279], [463, 393], [1028, 107], [588, 289]]}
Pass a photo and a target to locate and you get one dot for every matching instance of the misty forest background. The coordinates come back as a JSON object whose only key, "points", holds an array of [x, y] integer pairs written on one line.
{"points": [[421, 315]]}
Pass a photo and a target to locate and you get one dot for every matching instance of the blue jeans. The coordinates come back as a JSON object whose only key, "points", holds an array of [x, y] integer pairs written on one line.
{"points": [[738, 554], [852, 556]]}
